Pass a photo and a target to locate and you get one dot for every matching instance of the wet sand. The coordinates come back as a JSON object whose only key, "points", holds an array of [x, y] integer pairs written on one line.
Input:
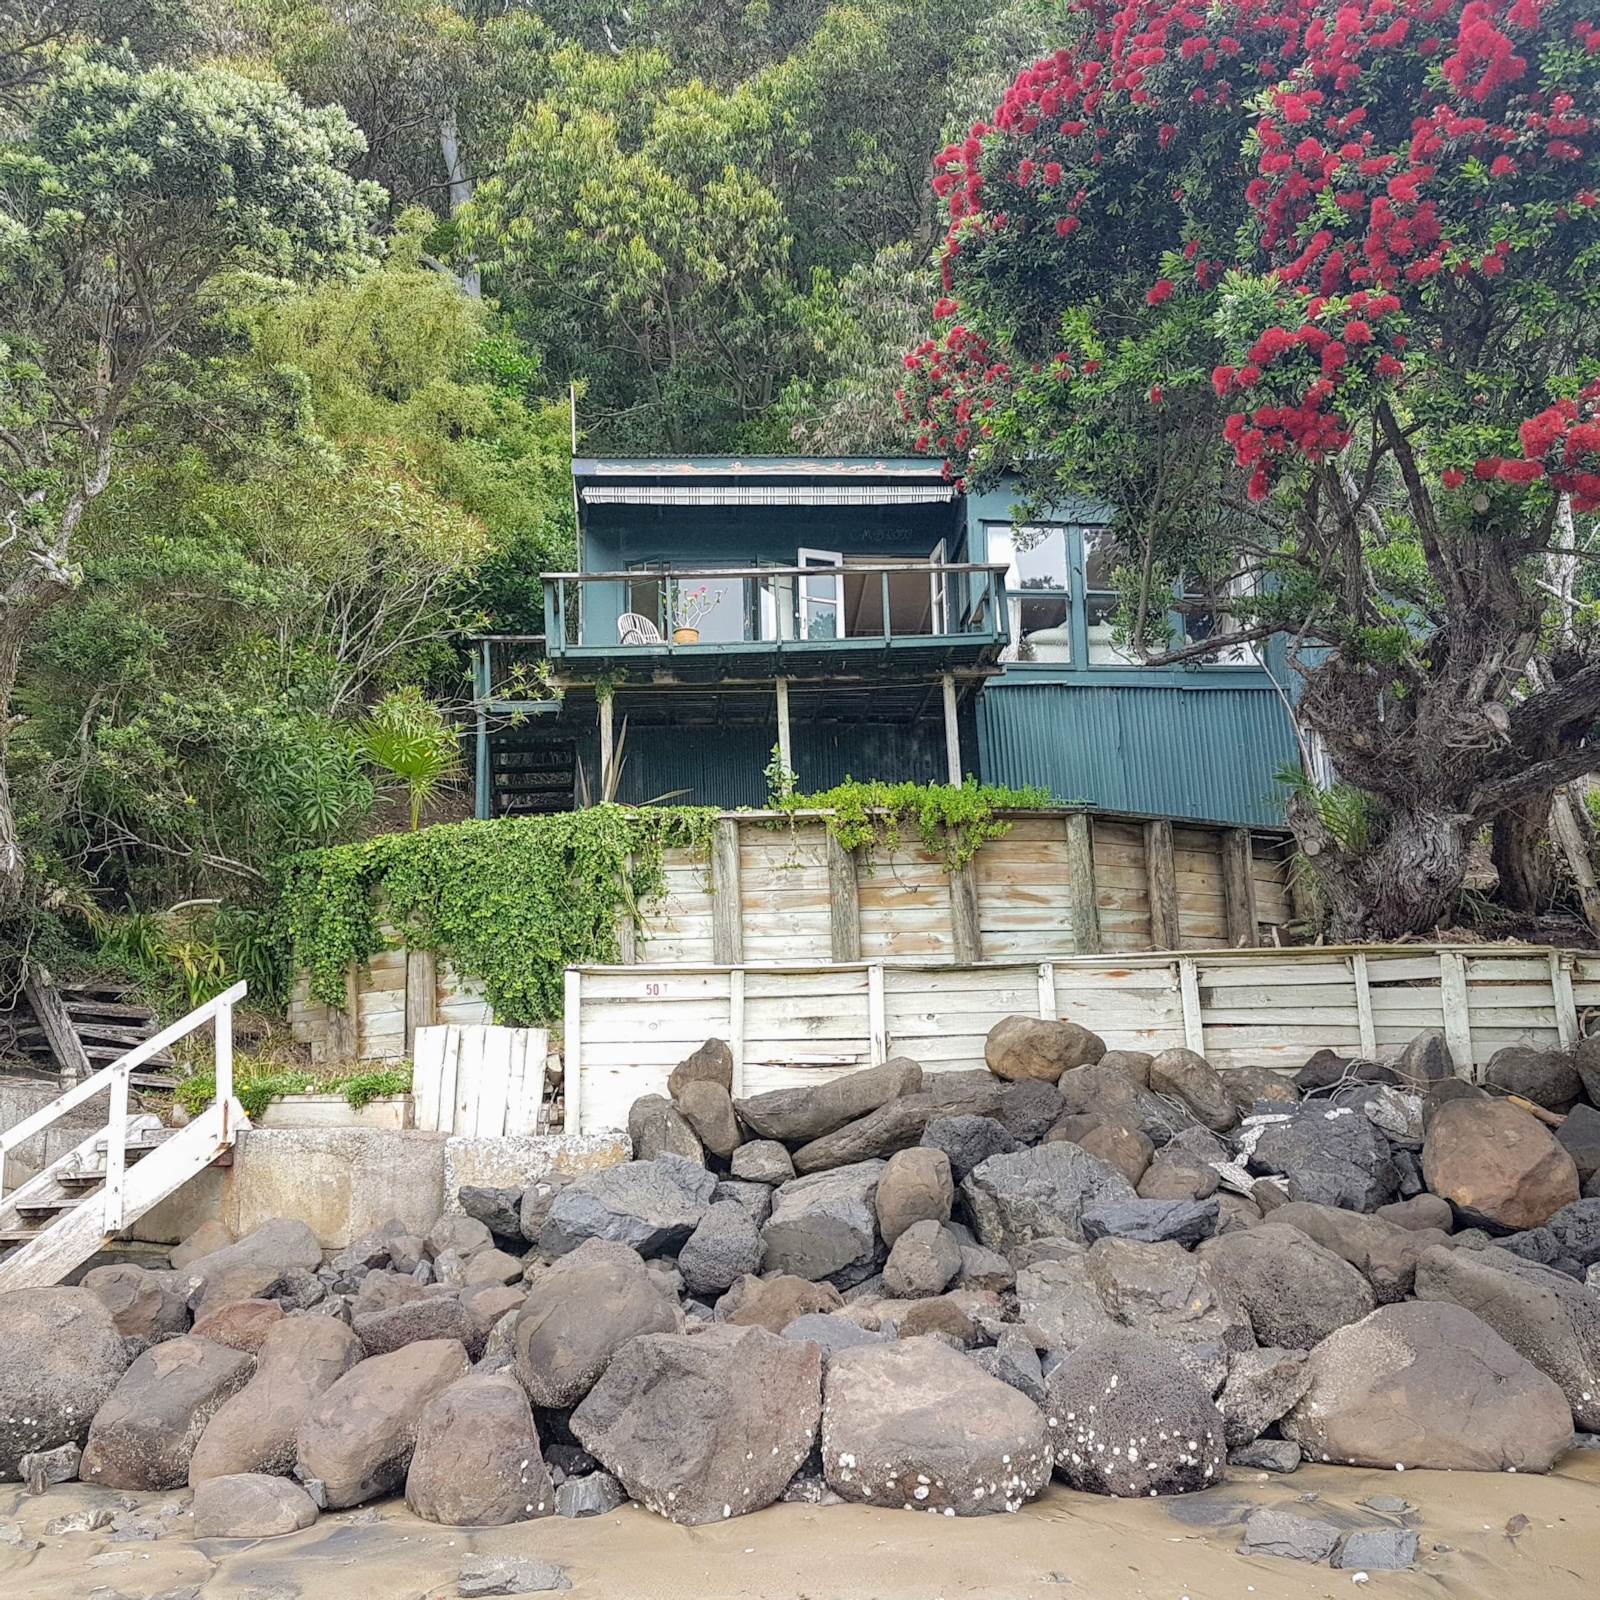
{"points": [[1065, 1545]]}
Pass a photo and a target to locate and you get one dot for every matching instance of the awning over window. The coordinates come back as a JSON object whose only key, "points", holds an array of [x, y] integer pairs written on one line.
{"points": [[780, 494]]}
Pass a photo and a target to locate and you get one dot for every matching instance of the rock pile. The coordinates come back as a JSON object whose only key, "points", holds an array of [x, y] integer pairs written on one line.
{"points": [[928, 1290]]}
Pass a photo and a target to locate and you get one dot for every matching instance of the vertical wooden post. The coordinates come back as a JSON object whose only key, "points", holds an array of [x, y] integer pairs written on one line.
{"points": [[1047, 991], [1457, 1007], [785, 749], [964, 928], [1080, 885], [627, 928], [727, 910], [607, 746], [422, 994], [1162, 875], [736, 1027], [344, 1033], [952, 731], [116, 1150], [572, 1052], [1369, 1034], [482, 798], [1238, 888], [50, 1012], [1566, 1003], [1194, 1032], [877, 1016], [844, 900]]}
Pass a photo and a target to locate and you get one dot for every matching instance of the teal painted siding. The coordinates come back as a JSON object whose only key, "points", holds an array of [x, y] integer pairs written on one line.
{"points": [[1208, 753]]}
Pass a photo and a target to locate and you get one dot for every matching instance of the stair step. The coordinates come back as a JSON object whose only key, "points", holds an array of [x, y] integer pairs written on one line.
{"points": [[41, 1208]]}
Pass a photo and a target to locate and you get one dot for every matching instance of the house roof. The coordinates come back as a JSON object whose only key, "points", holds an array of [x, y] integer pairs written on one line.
{"points": [[672, 469]]}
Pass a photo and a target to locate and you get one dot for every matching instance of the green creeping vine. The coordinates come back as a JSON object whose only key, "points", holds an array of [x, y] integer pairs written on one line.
{"points": [[511, 902], [952, 822]]}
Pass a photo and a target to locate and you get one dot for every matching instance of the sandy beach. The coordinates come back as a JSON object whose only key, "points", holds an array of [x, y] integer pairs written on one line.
{"points": [[1473, 1543]]}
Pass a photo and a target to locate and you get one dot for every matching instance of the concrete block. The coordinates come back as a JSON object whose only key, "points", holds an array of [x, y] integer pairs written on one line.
{"points": [[519, 1160]]}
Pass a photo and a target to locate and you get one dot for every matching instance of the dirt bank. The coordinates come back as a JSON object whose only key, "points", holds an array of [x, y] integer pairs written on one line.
{"points": [[1064, 1545]]}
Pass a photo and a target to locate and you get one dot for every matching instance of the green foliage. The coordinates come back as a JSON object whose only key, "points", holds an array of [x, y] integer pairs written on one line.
{"points": [[181, 959], [1348, 813], [257, 1083], [952, 823], [780, 778], [411, 739], [511, 902]]}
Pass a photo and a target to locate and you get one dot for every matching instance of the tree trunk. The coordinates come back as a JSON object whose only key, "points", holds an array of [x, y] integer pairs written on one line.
{"points": [[460, 191], [14, 626], [1518, 835]]}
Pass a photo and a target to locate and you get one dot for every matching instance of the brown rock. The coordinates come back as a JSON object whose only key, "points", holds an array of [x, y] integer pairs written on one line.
{"points": [[773, 1303], [440, 1316], [1497, 1165], [897, 1125], [1136, 1063], [143, 1304], [1248, 1085], [797, 1116], [1030, 1047], [477, 1463], [241, 1325], [491, 1267], [206, 1240], [940, 1314], [711, 1063], [251, 1505], [1177, 1175], [1420, 1212], [1119, 1146], [708, 1108], [916, 1186], [1382, 1251], [1194, 1083]]}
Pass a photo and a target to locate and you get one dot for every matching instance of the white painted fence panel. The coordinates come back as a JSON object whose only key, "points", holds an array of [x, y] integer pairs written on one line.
{"points": [[791, 1025], [480, 1081]]}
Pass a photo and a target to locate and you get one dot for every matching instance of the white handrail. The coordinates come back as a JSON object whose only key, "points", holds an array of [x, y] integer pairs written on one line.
{"points": [[117, 1079]]}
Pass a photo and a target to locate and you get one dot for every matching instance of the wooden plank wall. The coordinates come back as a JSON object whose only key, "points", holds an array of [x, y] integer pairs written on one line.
{"points": [[792, 1026], [479, 1081]]}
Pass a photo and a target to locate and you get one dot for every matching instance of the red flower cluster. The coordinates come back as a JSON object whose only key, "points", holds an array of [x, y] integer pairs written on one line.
{"points": [[1561, 443]]}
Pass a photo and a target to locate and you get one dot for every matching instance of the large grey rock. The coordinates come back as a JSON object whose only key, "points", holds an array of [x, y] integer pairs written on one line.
{"points": [[1127, 1418], [763, 1161], [577, 1316], [438, 1317], [1426, 1384], [1288, 1535], [144, 1304], [537, 1200], [476, 1463], [1033, 1047], [253, 1267], [1192, 1080], [1027, 1109], [1105, 1092], [1185, 1222], [756, 1198], [1397, 1114], [916, 1186], [796, 1116], [1060, 1299], [1549, 1078], [651, 1206], [499, 1210], [922, 1261], [1383, 1252], [300, 1359], [1576, 1229], [708, 1109], [968, 1141], [62, 1358], [825, 1226], [1038, 1194], [1331, 1155], [917, 1424], [1295, 1292], [1425, 1060], [894, 1126], [358, 1436], [1262, 1386], [1014, 1361], [1548, 1318], [711, 1063], [591, 1495], [1267, 1455], [657, 1128], [1579, 1136], [144, 1434], [1249, 1086], [831, 1333], [1497, 1165], [725, 1245], [1379, 1550], [463, 1234], [700, 1428], [773, 1303], [251, 1505]]}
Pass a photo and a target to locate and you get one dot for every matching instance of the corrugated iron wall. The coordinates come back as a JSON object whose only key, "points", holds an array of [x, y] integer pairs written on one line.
{"points": [[1209, 753]]}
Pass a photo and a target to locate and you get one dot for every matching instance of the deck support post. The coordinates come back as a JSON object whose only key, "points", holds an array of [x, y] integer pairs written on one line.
{"points": [[1238, 887], [608, 750], [844, 900], [727, 912], [1162, 875], [952, 732], [482, 800], [785, 749], [1080, 885]]}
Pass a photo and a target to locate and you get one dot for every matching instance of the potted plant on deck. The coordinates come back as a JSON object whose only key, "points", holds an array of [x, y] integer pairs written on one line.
{"points": [[688, 609]]}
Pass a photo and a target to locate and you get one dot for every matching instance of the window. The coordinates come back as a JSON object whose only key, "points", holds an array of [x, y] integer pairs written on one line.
{"points": [[1101, 599], [1038, 587], [717, 610], [1212, 620]]}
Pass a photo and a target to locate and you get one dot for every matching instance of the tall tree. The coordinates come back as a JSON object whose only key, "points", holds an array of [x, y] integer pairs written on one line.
{"points": [[1312, 295]]}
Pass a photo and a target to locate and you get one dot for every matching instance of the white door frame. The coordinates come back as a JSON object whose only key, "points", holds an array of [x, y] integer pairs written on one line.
{"points": [[822, 592]]}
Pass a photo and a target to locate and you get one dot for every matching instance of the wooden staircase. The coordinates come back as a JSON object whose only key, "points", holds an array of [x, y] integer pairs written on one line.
{"points": [[84, 1199], [73, 1027]]}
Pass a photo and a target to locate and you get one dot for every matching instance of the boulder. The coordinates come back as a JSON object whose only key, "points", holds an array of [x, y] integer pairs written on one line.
{"points": [[1579, 1136], [916, 1186], [825, 1225], [437, 1317], [1497, 1166], [206, 1240], [537, 1200], [1185, 1222], [1295, 1292], [144, 1434], [831, 1333], [708, 1109], [1421, 1213], [476, 1463], [1331, 1154], [592, 1495], [651, 1206], [498, 1209], [1549, 1078], [358, 1436], [1014, 1361], [63, 1358], [968, 1141], [1104, 1092], [1267, 1455], [1549, 1319], [1396, 1114], [895, 1126], [1135, 1063], [1427, 1384], [143, 1304], [756, 1198], [1288, 1535], [1033, 1047], [491, 1267], [1177, 1175], [1119, 1146], [1038, 1194], [1586, 1058], [657, 1128], [922, 1261], [241, 1324], [577, 1316], [1576, 1227], [915, 1424], [1425, 1060], [940, 1314], [797, 1116], [1327, 1068], [1442, 1091], [1191, 1079], [300, 1358], [966, 1092], [711, 1063], [725, 1245], [773, 1303], [251, 1505], [254, 1266], [1384, 1253], [1128, 1419], [1249, 1087], [1060, 1299], [1262, 1386], [700, 1428], [763, 1161], [1027, 1109]]}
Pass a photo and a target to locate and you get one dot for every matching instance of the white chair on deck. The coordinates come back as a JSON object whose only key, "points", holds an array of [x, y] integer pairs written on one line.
{"points": [[635, 629]]}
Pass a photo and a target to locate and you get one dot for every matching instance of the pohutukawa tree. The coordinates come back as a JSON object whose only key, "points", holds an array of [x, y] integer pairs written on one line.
{"points": [[1310, 293]]}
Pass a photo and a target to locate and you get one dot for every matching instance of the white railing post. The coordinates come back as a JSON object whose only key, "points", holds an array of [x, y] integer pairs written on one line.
{"points": [[223, 1076], [116, 1149]]}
